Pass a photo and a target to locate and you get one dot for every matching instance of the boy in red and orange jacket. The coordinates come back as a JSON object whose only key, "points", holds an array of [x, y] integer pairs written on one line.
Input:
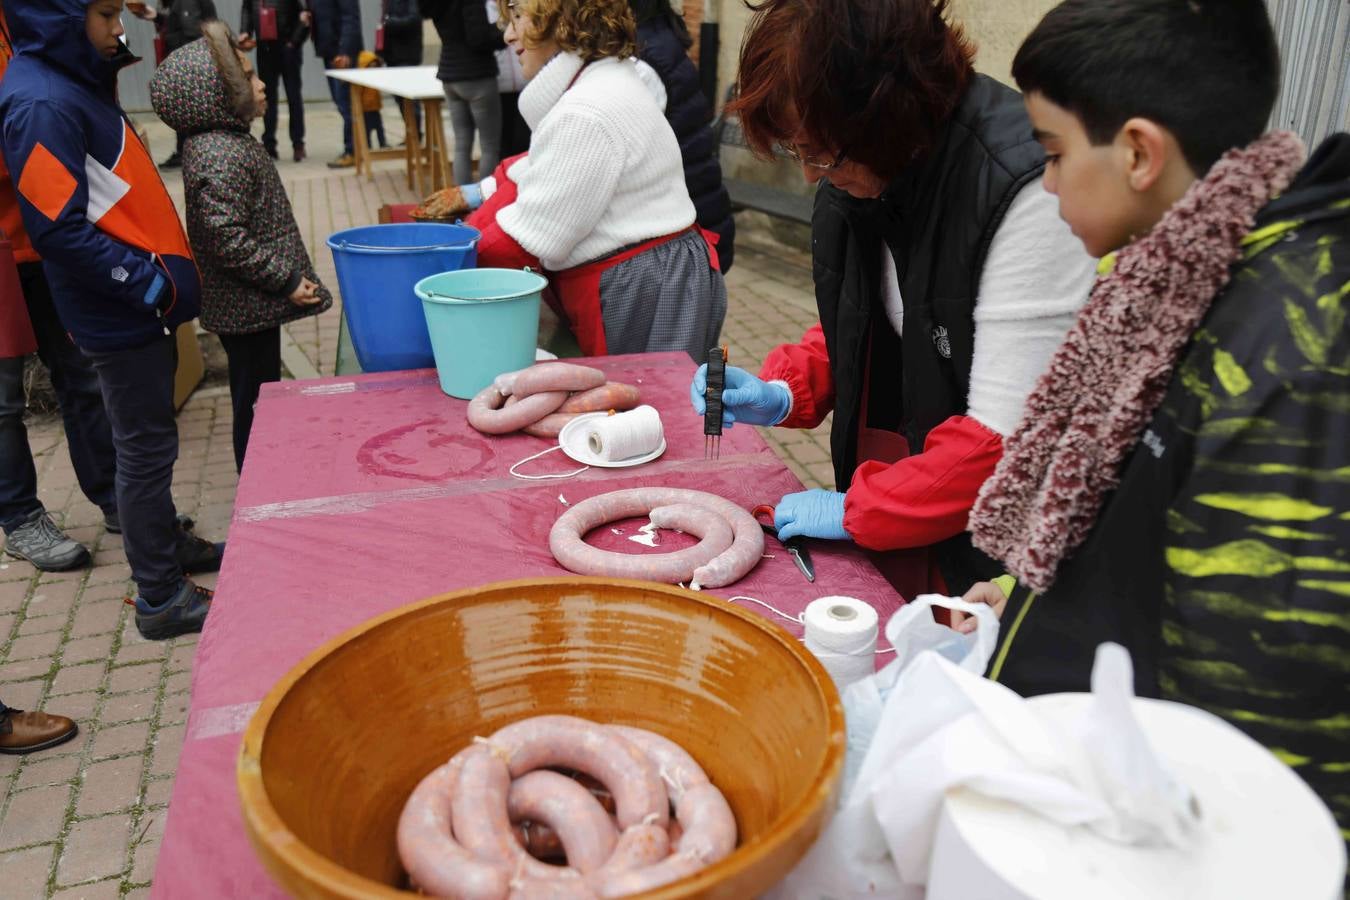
{"points": [[121, 274]]}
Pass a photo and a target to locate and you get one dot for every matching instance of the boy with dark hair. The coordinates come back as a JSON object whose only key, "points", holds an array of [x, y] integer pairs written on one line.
{"points": [[120, 271], [1178, 481]]}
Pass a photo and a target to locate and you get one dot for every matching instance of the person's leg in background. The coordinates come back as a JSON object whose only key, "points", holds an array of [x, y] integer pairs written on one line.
{"points": [[342, 97], [137, 387], [88, 433], [295, 100], [25, 732], [461, 125], [269, 71], [30, 532], [485, 103], [255, 360]]}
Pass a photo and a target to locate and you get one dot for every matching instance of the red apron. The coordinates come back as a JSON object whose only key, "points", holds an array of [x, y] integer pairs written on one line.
{"points": [[577, 290]]}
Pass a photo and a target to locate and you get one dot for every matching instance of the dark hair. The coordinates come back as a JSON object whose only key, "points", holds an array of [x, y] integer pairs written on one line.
{"points": [[876, 79], [1206, 70], [645, 11]]}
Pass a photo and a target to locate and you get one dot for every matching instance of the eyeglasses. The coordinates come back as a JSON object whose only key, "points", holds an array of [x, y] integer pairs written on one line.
{"points": [[813, 162]]}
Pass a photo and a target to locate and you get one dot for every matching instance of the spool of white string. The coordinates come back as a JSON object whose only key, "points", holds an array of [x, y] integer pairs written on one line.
{"points": [[626, 434], [842, 633]]}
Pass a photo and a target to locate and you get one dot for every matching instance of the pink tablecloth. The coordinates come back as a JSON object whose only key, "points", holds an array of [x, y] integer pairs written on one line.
{"points": [[363, 494]]}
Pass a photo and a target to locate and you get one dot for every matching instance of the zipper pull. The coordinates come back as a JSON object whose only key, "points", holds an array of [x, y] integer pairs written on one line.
{"points": [[163, 324]]}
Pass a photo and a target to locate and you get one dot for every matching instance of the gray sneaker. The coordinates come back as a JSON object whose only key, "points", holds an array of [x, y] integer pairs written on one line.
{"points": [[39, 541]]}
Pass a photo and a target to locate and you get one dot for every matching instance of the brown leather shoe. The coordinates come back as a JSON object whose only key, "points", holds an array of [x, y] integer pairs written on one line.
{"points": [[24, 732]]}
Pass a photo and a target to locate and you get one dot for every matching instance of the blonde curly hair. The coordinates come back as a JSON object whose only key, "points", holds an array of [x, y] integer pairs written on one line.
{"points": [[592, 29]]}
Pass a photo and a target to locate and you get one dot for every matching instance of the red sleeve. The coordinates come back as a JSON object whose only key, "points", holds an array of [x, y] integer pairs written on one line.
{"points": [[925, 498], [497, 249], [805, 366]]}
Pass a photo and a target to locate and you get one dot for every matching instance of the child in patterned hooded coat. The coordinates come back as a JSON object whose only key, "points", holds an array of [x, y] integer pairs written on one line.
{"points": [[256, 273]]}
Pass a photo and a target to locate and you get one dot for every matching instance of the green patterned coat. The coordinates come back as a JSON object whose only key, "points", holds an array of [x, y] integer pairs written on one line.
{"points": [[1222, 561]]}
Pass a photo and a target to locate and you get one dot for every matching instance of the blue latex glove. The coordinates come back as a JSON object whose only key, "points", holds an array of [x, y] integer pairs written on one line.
{"points": [[816, 513], [744, 398]]}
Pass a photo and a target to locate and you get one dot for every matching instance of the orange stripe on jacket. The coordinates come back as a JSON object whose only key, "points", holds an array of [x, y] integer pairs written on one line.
{"points": [[130, 203], [11, 220], [46, 183]]}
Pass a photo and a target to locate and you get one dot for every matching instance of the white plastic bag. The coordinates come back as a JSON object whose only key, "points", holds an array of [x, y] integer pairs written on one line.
{"points": [[850, 861], [911, 631]]}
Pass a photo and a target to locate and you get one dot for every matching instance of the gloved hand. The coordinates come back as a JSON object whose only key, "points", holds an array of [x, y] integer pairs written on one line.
{"points": [[744, 398], [448, 203], [816, 513]]}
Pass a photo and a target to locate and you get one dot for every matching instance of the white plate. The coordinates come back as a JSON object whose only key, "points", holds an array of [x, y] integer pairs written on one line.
{"points": [[575, 443]]}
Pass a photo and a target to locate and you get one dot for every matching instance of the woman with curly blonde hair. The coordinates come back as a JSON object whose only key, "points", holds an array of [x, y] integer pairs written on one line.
{"points": [[599, 202]]}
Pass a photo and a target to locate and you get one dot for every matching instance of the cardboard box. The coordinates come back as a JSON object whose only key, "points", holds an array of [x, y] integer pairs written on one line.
{"points": [[191, 367]]}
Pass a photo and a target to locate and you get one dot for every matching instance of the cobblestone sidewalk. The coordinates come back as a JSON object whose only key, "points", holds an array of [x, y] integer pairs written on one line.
{"points": [[85, 819]]}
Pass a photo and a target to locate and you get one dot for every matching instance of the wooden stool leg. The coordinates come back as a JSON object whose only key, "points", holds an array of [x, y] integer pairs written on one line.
{"points": [[411, 145], [360, 151]]}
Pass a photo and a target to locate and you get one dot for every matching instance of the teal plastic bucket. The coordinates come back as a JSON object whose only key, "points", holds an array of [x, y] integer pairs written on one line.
{"points": [[482, 322]]}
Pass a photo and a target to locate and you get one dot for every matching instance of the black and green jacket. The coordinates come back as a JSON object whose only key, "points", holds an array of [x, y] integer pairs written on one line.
{"points": [[1222, 561]]}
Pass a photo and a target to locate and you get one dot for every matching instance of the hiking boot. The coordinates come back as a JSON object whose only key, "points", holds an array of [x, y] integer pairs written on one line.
{"points": [[173, 162], [113, 523], [345, 161], [199, 555], [183, 613], [298, 153], [24, 732], [39, 541]]}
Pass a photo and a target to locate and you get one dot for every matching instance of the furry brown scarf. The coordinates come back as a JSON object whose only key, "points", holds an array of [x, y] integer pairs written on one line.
{"points": [[1107, 379]]}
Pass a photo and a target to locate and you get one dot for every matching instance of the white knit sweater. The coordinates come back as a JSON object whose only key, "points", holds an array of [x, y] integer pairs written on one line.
{"points": [[604, 168]]}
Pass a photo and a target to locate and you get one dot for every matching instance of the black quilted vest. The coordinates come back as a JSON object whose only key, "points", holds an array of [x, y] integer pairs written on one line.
{"points": [[938, 217]]}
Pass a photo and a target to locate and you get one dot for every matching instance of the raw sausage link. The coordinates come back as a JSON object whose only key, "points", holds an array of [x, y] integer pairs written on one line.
{"points": [[588, 837], [639, 846], [565, 539], [714, 534], [480, 821], [613, 395], [708, 823], [678, 769], [550, 426], [550, 376], [646, 878], [633, 779], [435, 861], [488, 414]]}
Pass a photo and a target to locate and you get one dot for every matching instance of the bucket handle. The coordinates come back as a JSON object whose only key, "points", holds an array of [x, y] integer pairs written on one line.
{"points": [[345, 245], [435, 296]]}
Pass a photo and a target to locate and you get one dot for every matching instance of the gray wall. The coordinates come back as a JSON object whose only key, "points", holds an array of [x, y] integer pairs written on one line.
{"points": [[1314, 38], [134, 82]]}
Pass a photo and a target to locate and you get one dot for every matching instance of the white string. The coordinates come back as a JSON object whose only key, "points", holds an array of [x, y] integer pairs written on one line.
{"points": [[798, 619], [625, 435], [542, 477]]}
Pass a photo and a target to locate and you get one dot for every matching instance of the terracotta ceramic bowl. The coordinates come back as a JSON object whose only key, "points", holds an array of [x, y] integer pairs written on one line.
{"points": [[336, 747]]}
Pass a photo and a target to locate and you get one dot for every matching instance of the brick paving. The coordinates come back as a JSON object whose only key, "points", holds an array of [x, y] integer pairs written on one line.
{"points": [[85, 819]]}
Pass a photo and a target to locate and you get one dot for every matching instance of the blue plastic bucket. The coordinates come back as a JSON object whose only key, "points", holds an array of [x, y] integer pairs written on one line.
{"points": [[377, 269], [482, 322]]}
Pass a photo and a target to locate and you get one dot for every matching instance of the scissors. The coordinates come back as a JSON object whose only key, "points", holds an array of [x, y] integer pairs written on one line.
{"points": [[796, 546]]}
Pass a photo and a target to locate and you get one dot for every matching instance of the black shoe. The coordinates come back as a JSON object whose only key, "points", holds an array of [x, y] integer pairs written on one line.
{"points": [[298, 152], [198, 555], [272, 152], [183, 613], [113, 523], [173, 162]]}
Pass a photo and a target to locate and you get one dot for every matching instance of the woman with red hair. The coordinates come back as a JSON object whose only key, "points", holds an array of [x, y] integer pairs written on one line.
{"points": [[944, 277]]}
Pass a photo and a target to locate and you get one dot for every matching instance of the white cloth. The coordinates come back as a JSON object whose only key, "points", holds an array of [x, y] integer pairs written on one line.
{"points": [[604, 169], [943, 728], [1036, 277]]}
